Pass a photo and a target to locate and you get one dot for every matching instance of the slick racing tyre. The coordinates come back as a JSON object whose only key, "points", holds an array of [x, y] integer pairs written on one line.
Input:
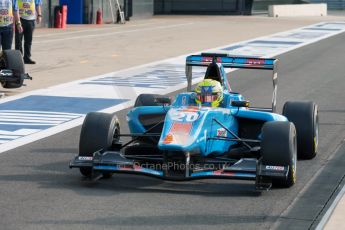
{"points": [[98, 132], [13, 60], [304, 115], [150, 100], [279, 148]]}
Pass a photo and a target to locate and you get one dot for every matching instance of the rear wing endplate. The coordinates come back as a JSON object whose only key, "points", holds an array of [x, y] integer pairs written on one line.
{"points": [[227, 61]]}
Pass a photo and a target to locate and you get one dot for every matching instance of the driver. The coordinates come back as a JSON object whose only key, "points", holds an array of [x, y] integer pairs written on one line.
{"points": [[209, 92]]}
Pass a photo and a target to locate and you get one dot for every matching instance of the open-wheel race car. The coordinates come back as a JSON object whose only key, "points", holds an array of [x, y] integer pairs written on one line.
{"points": [[187, 139], [12, 69]]}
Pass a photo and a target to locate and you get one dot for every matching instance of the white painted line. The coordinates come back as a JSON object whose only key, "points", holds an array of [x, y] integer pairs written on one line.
{"points": [[29, 123], [27, 118], [39, 112], [9, 137], [2, 120], [114, 33], [20, 132], [95, 30], [37, 115], [40, 135], [330, 211]]}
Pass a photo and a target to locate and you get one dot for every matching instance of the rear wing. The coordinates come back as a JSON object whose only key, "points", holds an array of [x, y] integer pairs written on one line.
{"points": [[205, 59], [231, 62]]}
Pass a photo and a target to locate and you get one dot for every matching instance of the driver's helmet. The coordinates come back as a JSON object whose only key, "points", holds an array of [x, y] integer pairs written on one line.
{"points": [[209, 93]]}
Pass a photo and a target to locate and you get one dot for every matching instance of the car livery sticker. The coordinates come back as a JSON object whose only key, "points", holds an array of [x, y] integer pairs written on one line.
{"points": [[275, 168], [221, 132]]}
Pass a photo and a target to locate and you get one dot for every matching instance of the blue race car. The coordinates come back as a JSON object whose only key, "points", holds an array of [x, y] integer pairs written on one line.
{"points": [[210, 132]]}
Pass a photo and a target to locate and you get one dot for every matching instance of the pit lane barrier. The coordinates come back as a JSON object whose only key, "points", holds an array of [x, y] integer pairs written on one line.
{"points": [[297, 10]]}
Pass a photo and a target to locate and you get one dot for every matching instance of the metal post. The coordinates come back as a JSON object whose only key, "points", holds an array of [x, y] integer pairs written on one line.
{"points": [[189, 76], [122, 15], [111, 11], [50, 23], [275, 81]]}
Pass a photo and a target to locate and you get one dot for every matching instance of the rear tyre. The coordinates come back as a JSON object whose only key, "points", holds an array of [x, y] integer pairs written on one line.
{"points": [[98, 132], [279, 148], [13, 60], [148, 100], [304, 115]]}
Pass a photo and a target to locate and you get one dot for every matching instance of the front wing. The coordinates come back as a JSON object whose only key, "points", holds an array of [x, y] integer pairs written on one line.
{"points": [[243, 169]]}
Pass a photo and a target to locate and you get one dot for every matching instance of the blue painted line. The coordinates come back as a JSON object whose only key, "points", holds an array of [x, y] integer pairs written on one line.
{"points": [[321, 29], [233, 47], [331, 23], [305, 35], [13, 135], [128, 84], [66, 108], [14, 127], [6, 139], [60, 104], [274, 42], [159, 78]]}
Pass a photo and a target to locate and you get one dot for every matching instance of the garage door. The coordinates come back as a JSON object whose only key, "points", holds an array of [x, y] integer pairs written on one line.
{"points": [[199, 6]]}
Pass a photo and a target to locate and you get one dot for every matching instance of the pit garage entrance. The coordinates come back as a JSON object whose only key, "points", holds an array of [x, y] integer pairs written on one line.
{"points": [[217, 7]]}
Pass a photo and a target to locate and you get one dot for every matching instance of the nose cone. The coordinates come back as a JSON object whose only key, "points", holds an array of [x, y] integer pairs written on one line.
{"points": [[179, 136], [179, 129]]}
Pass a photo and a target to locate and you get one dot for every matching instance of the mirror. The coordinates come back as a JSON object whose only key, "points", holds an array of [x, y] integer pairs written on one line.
{"points": [[163, 100], [240, 103]]}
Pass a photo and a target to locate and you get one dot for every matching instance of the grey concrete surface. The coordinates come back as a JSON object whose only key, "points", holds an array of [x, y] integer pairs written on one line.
{"points": [[336, 218], [38, 191], [88, 50]]}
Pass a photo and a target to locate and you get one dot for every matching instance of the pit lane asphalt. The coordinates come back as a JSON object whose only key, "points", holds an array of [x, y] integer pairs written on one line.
{"points": [[38, 191]]}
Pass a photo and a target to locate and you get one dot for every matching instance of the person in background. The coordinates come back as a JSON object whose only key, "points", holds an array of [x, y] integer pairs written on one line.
{"points": [[30, 12], [8, 15]]}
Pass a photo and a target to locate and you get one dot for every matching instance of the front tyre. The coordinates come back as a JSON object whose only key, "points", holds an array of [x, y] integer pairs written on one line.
{"points": [[98, 132], [279, 148]]}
